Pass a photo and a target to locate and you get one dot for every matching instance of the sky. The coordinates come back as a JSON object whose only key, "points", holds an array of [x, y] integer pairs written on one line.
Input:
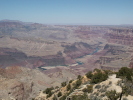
{"points": [[91, 12]]}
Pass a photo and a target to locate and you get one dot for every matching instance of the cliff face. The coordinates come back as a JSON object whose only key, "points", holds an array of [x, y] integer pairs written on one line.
{"points": [[120, 36], [115, 57], [10, 57], [13, 89], [78, 49], [22, 83]]}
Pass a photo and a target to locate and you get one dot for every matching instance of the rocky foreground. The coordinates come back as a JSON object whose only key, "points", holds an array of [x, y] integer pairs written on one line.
{"points": [[96, 85], [19, 83]]}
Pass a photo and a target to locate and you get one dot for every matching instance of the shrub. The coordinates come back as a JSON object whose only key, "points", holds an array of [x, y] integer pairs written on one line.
{"points": [[108, 72], [49, 94], [90, 88], [56, 87], [59, 94], [89, 75], [79, 77], [63, 97], [68, 87], [70, 81], [98, 77], [85, 90], [63, 84], [97, 70], [77, 84], [112, 95], [125, 72], [92, 97], [48, 90], [80, 97]]}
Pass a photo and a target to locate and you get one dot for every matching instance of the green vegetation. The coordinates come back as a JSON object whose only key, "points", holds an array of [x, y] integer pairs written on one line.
{"points": [[49, 94], [63, 97], [125, 72], [48, 90], [89, 89], [70, 81], [56, 87], [79, 77], [99, 77], [112, 95], [59, 94], [55, 98], [80, 97], [89, 75], [85, 90], [97, 70], [77, 84], [68, 87], [63, 84]]}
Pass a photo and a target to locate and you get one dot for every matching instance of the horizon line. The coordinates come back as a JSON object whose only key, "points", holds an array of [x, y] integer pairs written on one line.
{"points": [[8, 20]]}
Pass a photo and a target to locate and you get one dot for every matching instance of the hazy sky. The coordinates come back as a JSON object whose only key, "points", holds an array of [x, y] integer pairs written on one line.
{"points": [[103, 12]]}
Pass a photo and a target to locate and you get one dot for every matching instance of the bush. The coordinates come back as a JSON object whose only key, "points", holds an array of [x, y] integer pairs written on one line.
{"points": [[89, 75], [77, 84], [125, 72], [68, 87], [63, 84], [63, 97], [79, 77], [56, 87], [90, 88], [112, 95], [48, 90], [80, 97], [59, 94], [99, 77], [70, 81], [97, 70], [85, 90], [108, 72], [49, 94]]}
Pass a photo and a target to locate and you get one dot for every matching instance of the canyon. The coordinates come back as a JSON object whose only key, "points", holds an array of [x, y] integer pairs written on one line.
{"points": [[35, 56]]}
